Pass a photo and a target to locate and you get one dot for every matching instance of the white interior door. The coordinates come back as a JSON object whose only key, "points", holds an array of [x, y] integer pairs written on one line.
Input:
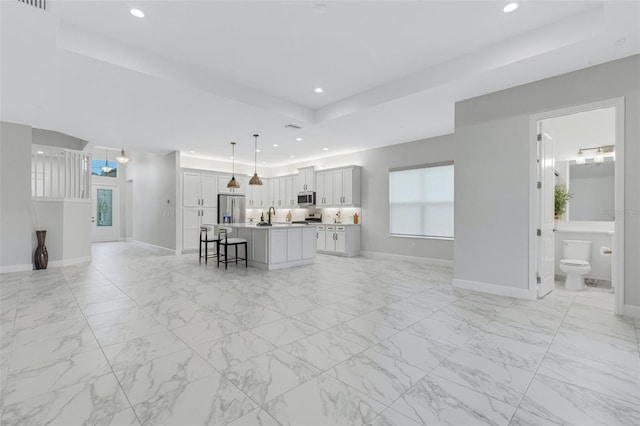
{"points": [[105, 216], [546, 200]]}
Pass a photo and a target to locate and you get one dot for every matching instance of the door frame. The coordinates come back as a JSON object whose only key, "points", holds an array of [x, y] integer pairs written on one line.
{"points": [[617, 266], [116, 211]]}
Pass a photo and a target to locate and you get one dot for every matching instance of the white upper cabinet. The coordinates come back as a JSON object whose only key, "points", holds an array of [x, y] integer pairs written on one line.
{"points": [[305, 180], [191, 189], [290, 199], [209, 190], [256, 197], [339, 187], [199, 190], [324, 188]]}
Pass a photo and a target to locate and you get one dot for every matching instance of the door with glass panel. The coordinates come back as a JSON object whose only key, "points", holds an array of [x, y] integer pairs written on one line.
{"points": [[105, 213]]}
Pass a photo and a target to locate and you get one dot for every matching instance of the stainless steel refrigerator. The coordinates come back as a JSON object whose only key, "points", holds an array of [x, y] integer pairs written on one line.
{"points": [[231, 208]]}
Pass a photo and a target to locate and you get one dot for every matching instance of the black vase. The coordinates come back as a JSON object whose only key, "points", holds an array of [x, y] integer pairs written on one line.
{"points": [[41, 256]]}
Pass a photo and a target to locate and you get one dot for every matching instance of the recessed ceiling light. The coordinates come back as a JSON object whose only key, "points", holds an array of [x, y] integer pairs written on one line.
{"points": [[257, 150], [325, 149], [276, 145], [320, 9], [137, 13], [510, 7], [292, 156], [318, 90], [299, 139], [192, 152], [264, 162], [40, 152]]}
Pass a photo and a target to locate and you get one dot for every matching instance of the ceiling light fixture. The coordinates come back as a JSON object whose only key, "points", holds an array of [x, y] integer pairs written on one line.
{"points": [[318, 90], [233, 183], [292, 156], [122, 159], [137, 13], [192, 152], [510, 7], [39, 152], [325, 149], [276, 145], [299, 139], [255, 180], [581, 158], [106, 168]]}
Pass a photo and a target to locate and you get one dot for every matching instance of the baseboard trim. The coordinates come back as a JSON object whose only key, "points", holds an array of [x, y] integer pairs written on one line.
{"points": [[631, 311], [69, 262], [380, 255], [498, 290], [16, 268], [142, 243]]}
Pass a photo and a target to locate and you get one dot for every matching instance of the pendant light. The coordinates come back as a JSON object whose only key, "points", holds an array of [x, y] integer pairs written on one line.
{"points": [[255, 180], [233, 183], [122, 159], [106, 168]]}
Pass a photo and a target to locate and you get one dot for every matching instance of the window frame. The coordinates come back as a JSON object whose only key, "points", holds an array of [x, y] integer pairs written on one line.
{"points": [[415, 167]]}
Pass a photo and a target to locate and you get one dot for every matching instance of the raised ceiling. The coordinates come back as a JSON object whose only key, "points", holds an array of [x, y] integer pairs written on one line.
{"points": [[194, 75]]}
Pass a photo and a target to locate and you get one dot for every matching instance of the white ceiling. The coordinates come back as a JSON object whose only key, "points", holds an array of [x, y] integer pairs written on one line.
{"points": [[582, 130], [195, 75]]}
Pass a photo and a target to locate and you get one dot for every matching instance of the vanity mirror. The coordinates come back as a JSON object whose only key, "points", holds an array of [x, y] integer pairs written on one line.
{"points": [[593, 189]]}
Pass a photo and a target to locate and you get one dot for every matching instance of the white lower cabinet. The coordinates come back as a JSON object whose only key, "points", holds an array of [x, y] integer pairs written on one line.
{"points": [[192, 219], [338, 239], [320, 238]]}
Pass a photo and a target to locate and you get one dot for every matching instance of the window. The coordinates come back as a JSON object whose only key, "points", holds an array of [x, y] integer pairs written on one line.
{"points": [[96, 168], [421, 202]]}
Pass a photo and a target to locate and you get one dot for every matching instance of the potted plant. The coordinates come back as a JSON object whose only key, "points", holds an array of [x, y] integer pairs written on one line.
{"points": [[562, 197]]}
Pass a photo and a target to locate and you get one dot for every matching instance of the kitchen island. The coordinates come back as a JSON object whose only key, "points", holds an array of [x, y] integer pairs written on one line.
{"points": [[278, 246]]}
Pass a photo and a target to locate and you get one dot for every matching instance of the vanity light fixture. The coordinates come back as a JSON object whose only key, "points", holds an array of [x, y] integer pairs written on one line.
{"points": [[233, 183], [122, 159], [255, 180], [106, 168], [598, 158]]}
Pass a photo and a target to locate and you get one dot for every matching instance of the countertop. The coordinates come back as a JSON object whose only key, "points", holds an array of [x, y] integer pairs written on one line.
{"points": [[275, 225]]}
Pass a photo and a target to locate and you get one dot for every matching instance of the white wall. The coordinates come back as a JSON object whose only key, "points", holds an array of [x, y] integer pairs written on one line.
{"points": [[155, 181], [492, 171], [16, 223], [68, 226], [375, 192]]}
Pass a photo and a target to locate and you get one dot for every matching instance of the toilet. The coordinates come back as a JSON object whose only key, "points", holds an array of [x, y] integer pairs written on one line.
{"points": [[575, 263]]}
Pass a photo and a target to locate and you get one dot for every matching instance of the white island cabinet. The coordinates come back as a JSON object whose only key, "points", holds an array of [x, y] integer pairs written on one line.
{"points": [[278, 246]]}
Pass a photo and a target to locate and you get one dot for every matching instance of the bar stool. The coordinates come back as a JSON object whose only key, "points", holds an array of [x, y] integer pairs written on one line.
{"points": [[207, 235], [225, 241]]}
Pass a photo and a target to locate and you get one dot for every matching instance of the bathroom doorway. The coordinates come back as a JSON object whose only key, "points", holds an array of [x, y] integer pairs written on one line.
{"points": [[578, 249]]}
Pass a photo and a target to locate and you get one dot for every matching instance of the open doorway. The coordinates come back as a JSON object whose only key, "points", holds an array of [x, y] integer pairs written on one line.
{"points": [[578, 246]]}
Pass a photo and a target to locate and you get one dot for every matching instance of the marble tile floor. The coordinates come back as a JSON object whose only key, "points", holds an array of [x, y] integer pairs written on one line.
{"points": [[141, 337]]}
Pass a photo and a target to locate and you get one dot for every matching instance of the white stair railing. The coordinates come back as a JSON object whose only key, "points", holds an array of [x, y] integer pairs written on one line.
{"points": [[60, 173]]}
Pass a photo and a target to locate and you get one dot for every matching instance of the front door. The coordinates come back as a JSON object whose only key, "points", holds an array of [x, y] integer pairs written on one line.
{"points": [[546, 206], [105, 214]]}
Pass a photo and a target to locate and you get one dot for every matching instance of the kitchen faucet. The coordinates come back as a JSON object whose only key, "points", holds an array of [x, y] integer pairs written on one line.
{"points": [[269, 213]]}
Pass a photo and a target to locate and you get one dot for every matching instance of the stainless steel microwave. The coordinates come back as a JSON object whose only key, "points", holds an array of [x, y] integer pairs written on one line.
{"points": [[306, 198]]}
